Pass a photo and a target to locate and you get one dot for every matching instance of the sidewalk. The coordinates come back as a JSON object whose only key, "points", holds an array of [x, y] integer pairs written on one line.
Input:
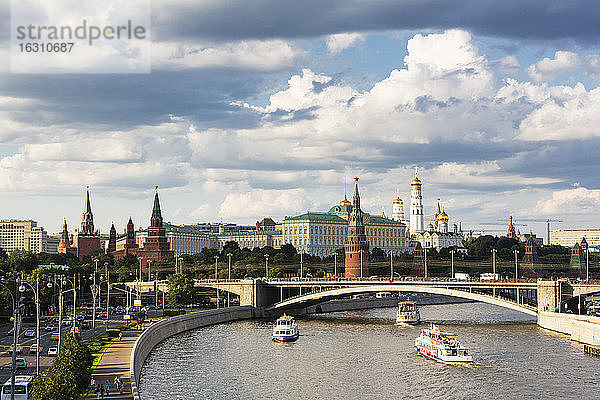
{"points": [[115, 362]]}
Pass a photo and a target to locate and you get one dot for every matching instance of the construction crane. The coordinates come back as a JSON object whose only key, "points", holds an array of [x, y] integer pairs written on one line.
{"points": [[547, 221]]}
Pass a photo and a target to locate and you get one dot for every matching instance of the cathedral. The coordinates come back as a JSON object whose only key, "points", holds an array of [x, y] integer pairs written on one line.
{"points": [[437, 234]]}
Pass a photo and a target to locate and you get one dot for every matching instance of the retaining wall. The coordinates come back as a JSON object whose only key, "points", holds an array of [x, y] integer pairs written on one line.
{"points": [[372, 302], [161, 330], [581, 328]]}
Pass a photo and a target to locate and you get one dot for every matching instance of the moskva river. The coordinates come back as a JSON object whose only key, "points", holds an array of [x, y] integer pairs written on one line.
{"points": [[363, 355]]}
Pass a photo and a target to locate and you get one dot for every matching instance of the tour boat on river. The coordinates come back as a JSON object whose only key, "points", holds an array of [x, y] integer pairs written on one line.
{"points": [[285, 330], [441, 346], [408, 313]]}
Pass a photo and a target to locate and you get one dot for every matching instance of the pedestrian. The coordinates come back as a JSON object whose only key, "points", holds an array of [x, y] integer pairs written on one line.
{"points": [[97, 391], [101, 390], [120, 386], [107, 387], [93, 384]]}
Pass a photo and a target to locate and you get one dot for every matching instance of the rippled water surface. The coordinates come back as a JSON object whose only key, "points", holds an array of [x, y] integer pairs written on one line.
{"points": [[362, 355]]}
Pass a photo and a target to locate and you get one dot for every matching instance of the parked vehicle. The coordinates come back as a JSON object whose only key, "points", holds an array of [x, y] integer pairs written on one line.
{"points": [[49, 327], [461, 276], [29, 333], [52, 351]]}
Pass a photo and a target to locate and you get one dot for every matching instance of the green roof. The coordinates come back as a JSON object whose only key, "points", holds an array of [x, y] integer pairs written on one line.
{"points": [[249, 233], [382, 220], [316, 217], [337, 209]]}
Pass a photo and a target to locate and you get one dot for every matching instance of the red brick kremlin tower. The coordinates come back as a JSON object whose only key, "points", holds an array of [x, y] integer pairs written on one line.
{"points": [[87, 240], [64, 246], [130, 246], [356, 245], [156, 246], [112, 240]]}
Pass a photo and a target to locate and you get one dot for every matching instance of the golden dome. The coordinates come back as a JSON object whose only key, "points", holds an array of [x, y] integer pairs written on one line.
{"points": [[415, 182], [443, 216], [398, 200], [345, 202]]}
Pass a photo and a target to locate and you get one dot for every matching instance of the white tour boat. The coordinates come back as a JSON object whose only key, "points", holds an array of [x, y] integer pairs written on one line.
{"points": [[285, 330], [408, 313], [441, 346]]}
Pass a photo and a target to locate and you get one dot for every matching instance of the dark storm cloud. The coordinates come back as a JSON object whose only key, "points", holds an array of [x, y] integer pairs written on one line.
{"points": [[123, 101], [516, 19]]}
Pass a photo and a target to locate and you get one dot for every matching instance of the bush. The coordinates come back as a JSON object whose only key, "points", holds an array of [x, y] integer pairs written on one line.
{"points": [[173, 313], [113, 332]]}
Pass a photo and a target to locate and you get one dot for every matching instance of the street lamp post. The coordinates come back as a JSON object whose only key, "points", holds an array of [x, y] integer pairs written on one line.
{"points": [[425, 262], [452, 263], [94, 295], [107, 294], [587, 264], [149, 264], [15, 336], [301, 253], [266, 266], [36, 291], [361, 263], [494, 251], [516, 265], [391, 266], [229, 277], [335, 264], [217, 279]]}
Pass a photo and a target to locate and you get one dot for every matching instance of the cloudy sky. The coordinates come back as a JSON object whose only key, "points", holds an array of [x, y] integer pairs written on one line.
{"points": [[262, 108]]}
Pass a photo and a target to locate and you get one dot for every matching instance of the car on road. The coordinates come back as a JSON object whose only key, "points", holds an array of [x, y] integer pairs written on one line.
{"points": [[33, 348], [19, 349], [20, 363], [29, 333], [49, 327], [54, 336], [86, 325], [52, 351], [66, 322], [10, 332]]}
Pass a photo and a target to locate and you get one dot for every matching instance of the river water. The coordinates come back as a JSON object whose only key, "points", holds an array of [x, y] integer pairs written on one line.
{"points": [[363, 355]]}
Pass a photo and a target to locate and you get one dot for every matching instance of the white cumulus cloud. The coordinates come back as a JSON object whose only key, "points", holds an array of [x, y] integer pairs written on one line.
{"points": [[570, 201], [341, 41], [548, 68]]}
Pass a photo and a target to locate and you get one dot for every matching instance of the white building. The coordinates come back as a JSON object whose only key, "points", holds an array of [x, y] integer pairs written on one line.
{"points": [[322, 233], [25, 235], [568, 237], [439, 236], [184, 239]]}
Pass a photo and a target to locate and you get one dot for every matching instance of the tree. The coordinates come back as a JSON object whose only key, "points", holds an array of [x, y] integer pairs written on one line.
{"points": [[69, 376], [377, 254], [181, 290]]}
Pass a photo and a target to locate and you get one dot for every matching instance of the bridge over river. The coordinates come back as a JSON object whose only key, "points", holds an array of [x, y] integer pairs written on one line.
{"points": [[274, 296]]}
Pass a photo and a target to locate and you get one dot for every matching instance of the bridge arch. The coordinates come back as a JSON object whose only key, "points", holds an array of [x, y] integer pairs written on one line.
{"points": [[314, 298]]}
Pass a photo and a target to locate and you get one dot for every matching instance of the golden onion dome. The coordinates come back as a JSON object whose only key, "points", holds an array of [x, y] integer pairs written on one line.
{"points": [[443, 216], [415, 182], [345, 202], [398, 200]]}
